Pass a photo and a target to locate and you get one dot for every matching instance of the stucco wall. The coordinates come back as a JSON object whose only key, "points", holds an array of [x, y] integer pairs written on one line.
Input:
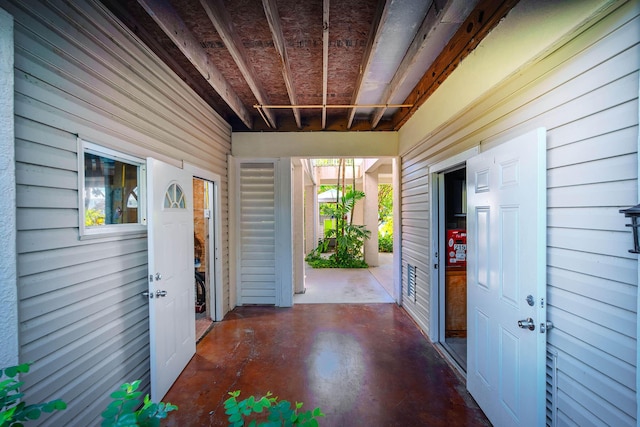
{"points": [[8, 290]]}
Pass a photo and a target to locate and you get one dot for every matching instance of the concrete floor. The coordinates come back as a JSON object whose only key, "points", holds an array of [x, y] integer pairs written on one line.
{"points": [[362, 364], [343, 347], [349, 286]]}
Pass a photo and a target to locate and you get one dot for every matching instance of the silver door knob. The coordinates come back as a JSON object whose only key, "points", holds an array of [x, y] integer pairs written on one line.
{"points": [[146, 294], [161, 294], [527, 323]]}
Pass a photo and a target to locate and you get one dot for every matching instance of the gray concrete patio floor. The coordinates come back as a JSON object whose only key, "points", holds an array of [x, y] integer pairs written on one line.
{"points": [[349, 285]]}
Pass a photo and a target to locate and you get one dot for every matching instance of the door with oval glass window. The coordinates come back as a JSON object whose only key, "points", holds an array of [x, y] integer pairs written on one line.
{"points": [[171, 291]]}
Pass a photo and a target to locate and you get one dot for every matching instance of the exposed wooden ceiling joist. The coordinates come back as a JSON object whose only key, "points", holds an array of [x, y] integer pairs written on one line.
{"points": [[325, 58], [420, 41], [271, 12], [378, 22], [363, 58], [486, 15], [221, 20], [166, 17]]}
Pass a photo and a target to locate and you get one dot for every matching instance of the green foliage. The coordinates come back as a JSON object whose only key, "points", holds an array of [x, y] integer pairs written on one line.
{"points": [[349, 238], [13, 410], [385, 243], [385, 203], [385, 218], [93, 217], [123, 411], [272, 412]]}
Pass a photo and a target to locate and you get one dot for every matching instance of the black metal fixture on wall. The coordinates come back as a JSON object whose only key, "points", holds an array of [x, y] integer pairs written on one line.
{"points": [[634, 214]]}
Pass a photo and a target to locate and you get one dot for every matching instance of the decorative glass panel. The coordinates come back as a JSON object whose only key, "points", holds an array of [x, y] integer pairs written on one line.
{"points": [[174, 197], [132, 202]]}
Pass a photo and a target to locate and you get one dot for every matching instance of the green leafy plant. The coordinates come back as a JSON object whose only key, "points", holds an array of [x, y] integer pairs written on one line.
{"points": [[14, 410], [127, 409], [349, 238], [385, 242], [272, 412]]}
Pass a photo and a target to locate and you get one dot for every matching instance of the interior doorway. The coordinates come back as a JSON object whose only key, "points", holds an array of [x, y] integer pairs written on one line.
{"points": [[452, 226], [204, 265]]}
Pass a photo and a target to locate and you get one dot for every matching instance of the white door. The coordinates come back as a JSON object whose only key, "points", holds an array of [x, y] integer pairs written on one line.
{"points": [[171, 273], [506, 270]]}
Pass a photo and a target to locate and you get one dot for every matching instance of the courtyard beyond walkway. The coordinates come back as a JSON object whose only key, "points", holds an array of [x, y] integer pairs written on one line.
{"points": [[349, 285]]}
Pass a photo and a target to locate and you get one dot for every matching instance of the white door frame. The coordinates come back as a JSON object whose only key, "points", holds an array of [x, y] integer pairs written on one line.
{"points": [[215, 244], [437, 272]]}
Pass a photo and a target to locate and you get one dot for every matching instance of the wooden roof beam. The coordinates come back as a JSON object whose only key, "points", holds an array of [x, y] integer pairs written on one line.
{"points": [[166, 17], [420, 41], [325, 58], [273, 17], [486, 15], [221, 20], [379, 21]]}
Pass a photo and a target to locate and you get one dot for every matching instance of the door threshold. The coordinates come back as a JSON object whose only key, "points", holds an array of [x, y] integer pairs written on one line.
{"points": [[451, 361]]}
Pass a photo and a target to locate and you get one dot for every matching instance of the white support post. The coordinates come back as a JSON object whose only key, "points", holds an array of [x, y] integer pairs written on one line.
{"points": [[371, 218], [298, 227], [310, 218]]}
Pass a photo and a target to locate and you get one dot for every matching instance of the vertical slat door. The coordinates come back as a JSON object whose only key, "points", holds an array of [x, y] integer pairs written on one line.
{"points": [[257, 234]]}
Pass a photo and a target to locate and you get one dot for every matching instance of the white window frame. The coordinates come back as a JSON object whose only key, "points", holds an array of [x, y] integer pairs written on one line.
{"points": [[108, 230]]}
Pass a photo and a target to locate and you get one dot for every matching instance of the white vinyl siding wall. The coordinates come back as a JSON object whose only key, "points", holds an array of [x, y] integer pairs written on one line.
{"points": [[415, 243], [78, 72], [586, 95]]}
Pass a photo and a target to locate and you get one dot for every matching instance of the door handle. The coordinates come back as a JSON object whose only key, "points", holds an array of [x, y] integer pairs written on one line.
{"points": [[147, 294], [161, 294], [527, 323]]}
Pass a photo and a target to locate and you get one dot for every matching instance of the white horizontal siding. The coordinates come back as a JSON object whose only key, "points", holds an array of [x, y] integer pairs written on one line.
{"points": [[82, 319], [414, 208], [586, 95]]}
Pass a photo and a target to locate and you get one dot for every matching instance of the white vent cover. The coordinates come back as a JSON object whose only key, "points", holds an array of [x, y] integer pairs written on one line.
{"points": [[411, 281]]}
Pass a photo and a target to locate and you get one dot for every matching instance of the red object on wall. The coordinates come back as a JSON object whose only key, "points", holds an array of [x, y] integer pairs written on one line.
{"points": [[457, 247]]}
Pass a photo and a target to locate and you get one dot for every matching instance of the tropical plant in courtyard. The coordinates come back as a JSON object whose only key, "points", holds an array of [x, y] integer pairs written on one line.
{"points": [[385, 218], [349, 238]]}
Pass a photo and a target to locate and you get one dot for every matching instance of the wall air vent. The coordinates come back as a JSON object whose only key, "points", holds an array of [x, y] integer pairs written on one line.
{"points": [[552, 388], [411, 282]]}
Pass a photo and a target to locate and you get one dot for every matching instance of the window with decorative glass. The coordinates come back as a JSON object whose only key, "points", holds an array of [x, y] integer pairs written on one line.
{"points": [[111, 191]]}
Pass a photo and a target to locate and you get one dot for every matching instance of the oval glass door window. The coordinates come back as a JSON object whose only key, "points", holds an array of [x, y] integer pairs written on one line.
{"points": [[174, 197]]}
